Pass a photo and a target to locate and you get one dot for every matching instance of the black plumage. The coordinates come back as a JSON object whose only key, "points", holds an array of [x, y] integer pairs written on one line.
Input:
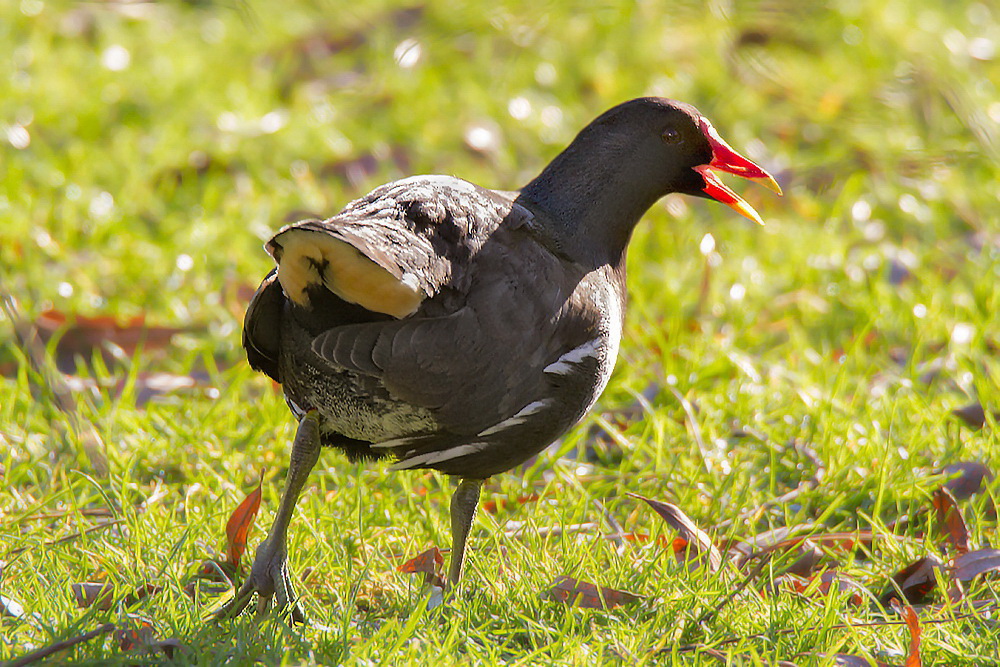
{"points": [[464, 329]]}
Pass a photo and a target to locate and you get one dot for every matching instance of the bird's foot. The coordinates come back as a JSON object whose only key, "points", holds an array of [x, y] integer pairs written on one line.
{"points": [[269, 579]]}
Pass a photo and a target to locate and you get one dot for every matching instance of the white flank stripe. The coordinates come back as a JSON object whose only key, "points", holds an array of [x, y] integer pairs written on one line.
{"points": [[558, 368], [437, 457], [294, 407], [518, 417], [395, 442], [562, 365]]}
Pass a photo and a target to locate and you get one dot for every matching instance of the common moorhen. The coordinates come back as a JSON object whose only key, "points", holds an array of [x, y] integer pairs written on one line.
{"points": [[464, 329]]}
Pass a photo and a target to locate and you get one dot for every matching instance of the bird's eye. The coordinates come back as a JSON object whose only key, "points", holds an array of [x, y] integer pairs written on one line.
{"points": [[671, 136]]}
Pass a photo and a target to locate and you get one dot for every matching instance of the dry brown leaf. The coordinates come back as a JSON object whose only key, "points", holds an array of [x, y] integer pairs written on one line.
{"points": [[80, 337], [915, 581], [974, 563], [699, 547], [967, 478], [427, 562], [169, 646], [100, 595], [587, 595], [809, 558], [93, 594], [974, 415], [950, 520], [136, 634], [640, 538], [493, 506], [913, 625], [239, 525]]}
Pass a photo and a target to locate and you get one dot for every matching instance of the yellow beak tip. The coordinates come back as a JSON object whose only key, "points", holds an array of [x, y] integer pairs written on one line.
{"points": [[747, 211], [769, 183]]}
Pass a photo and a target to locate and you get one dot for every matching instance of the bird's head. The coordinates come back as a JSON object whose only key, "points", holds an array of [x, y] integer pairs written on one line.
{"points": [[674, 148]]}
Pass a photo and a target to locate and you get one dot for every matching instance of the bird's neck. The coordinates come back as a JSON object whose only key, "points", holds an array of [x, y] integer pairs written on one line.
{"points": [[590, 206]]}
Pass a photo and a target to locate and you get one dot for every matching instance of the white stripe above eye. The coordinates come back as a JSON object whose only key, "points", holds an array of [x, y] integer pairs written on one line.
{"points": [[517, 418], [564, 364], [431, 458]]}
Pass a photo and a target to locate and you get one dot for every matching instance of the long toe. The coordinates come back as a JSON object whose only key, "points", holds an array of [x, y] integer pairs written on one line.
{"points": [[240, 600], [269, 580], [285, 596]]}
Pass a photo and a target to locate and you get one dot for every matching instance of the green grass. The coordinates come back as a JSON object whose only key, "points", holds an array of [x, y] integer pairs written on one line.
{"points": [[148, 190]]}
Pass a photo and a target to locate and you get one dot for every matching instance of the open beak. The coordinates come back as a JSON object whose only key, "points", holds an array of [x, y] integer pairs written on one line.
{"points": [[726, 159]]}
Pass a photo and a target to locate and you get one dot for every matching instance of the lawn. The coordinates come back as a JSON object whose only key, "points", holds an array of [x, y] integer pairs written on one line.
{"points": [[801, 375]]}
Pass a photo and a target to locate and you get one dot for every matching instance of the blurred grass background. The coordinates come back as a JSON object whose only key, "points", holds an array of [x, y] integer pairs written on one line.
{"points": [[147, 149]]}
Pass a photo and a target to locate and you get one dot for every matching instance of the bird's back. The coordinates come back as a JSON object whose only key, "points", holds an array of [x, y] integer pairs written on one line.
{"points": [[431, 320]]}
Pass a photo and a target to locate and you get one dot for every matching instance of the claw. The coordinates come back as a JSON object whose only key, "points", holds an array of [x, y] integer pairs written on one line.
{"points": [[270, 581]]}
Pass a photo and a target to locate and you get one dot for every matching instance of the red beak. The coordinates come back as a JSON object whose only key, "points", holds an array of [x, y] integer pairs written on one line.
{"points": [[724, 158]]}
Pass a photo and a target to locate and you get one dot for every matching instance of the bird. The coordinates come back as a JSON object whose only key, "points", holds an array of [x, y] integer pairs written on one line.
{"points": [[453, 327]]}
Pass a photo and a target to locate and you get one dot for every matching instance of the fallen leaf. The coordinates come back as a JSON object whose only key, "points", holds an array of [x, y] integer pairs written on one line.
{"points": [[950, 520], [239, 525], [845, 541], [100, 595], [587, 595], [169, 646], [807, 561], [640, 538], [151, 385], [899, 272], [974, 563], [80, 337], [913, 625], [428, 562], [134, 635], [92, 594], [974, 415], [493, 506], [967, 478], [915, 581], [699, 548]]}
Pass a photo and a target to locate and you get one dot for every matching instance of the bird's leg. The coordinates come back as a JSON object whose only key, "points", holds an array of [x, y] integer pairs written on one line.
{"points": [[463, 511], [269, 572]]}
